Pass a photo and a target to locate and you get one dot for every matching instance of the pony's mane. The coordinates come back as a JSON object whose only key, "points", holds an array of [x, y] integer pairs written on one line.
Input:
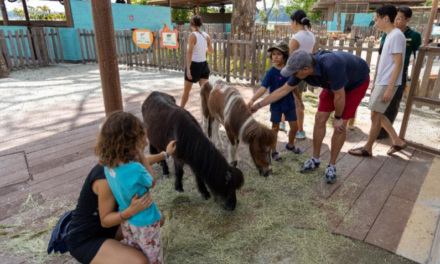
{"points": [[196, 149], [260, 131]]}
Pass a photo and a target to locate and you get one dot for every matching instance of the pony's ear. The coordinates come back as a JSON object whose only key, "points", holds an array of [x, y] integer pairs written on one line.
{"points": [[233, 164]]}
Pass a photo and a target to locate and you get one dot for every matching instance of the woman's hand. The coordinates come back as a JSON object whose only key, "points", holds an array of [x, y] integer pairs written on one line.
{"points": [[139, 204], [250, 104], [188, 74], [171, 147]]}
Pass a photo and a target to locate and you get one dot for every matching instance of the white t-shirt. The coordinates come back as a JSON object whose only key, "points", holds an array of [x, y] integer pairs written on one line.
{"points": [[305, 39], [395, 43]]}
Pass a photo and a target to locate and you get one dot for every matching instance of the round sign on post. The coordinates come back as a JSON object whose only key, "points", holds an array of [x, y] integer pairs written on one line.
{"points": [[131, 18], [143, 38]]}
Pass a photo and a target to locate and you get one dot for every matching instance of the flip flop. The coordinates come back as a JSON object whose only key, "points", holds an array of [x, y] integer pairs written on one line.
{"points": [[395, 148], [279, 159], [363, 152]]}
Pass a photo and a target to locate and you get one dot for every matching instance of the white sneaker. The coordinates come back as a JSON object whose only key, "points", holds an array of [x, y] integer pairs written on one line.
{"points": [[283, 126]]}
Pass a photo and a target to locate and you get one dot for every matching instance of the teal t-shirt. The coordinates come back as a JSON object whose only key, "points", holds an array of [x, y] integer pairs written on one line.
{"points": [[127, 180]]}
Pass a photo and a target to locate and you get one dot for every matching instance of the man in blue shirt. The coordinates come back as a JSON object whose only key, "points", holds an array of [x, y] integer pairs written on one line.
{"points": [[344, 78]]}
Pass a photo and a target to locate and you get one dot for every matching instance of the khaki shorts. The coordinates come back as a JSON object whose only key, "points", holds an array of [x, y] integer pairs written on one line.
{"points": [[376, 103]]}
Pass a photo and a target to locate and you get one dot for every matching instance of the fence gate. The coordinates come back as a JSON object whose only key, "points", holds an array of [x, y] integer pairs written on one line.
{"points": [[423, 104]]}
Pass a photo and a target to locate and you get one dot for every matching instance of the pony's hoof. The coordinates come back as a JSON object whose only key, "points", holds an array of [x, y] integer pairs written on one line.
{"points": [[179, 189], [206, 196], [166, 176]]}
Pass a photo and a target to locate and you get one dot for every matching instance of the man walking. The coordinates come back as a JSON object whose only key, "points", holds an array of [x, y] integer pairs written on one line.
{"points": [[344, 78], [413, 42], [388, 79]]}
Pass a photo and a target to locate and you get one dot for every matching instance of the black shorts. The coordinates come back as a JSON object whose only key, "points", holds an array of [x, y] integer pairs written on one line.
{"points": [[199, 70], [84, 248]]}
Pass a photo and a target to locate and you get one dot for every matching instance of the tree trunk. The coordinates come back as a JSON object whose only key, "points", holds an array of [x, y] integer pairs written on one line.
{"points": [[243, 17], [339, 15]]}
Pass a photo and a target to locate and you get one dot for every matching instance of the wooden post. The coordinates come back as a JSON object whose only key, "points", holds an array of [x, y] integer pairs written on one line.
{"points": [[25, 10], [4, 13], [431, 21], [68, 13], [107, 59]]}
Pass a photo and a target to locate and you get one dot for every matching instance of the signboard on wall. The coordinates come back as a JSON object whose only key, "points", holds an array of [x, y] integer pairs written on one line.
{"points": [[435, 31], [143, 38], [169, 38], [270, 27]]}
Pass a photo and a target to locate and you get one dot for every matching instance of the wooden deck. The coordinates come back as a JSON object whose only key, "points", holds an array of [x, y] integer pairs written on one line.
{"points": [[394, 200]]}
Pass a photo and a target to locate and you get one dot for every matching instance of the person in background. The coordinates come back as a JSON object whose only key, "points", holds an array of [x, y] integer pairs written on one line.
{"points": [[302, 40], [388, 79], [413, 42], [197, 69]]}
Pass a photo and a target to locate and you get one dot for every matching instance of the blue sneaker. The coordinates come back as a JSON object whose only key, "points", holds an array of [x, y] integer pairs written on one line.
{"points": [[298, 150], [300, 135], [330, 174], [309, 166]]}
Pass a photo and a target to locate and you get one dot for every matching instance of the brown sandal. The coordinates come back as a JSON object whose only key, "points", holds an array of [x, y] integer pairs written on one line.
{"points": [[363, 152], [396, 148]]}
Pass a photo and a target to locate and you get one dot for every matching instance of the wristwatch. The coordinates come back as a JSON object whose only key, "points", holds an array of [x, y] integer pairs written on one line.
{"points": [[338, 117]]}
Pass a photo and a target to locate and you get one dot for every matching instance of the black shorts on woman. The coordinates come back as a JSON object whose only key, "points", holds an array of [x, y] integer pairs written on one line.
{"points": [[199, 70]]}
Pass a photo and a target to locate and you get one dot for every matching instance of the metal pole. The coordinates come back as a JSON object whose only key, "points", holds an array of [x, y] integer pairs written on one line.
{"points": [[107, 59], [432, 16]]}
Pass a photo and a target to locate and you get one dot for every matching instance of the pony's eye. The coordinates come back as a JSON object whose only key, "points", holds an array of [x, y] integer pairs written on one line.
{"points": [[260, 151]]}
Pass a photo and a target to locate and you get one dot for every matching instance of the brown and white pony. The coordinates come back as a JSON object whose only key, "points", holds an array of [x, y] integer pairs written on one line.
{"points": [[224, 105]]}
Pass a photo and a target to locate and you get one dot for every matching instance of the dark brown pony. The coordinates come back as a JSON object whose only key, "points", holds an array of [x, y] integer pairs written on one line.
{"points": [[224, 105], [165, 121]]}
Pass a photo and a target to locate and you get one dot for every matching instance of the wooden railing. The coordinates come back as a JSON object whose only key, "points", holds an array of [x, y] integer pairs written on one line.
{"points": [[30, 49], [423, 96]]}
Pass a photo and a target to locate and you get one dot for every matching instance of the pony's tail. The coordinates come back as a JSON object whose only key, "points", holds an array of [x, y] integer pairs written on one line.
{"points": [[204, 96]]}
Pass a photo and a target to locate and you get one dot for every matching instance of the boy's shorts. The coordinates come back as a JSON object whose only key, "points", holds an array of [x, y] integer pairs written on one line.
{"points": [[275, 116], [352, 100], [376, 103]]}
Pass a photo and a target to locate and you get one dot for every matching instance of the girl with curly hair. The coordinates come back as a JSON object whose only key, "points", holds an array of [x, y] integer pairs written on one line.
{"points": [[120, 150]]}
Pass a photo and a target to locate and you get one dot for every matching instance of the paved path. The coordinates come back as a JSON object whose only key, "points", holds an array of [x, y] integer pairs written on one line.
{"points": [[393, 200]]}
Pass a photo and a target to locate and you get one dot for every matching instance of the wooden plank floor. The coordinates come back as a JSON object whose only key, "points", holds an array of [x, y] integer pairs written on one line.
{"points": [[49, 153]]}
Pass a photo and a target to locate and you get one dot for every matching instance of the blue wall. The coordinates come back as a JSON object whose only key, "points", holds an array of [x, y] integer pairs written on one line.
{"points": [[144, 17], [359, 19]]}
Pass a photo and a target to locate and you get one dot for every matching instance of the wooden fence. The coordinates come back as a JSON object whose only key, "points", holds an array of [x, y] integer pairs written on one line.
{"points": [[210, 29], [243, 57], [31, 49]]}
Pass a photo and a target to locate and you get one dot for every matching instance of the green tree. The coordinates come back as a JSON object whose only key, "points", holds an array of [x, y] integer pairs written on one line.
{"points": [[293, 5], [39, 13], [275, 4], [181, 14], [139, 2]]}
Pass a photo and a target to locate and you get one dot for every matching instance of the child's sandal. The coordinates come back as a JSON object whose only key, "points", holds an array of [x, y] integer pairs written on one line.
{"points": [[298, 150], [279, 159]]}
